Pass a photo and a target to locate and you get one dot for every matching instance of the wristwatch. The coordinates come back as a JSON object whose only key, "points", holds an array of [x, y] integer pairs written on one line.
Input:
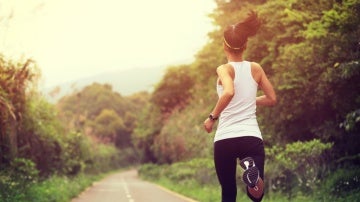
{"points": [[212, 117]]}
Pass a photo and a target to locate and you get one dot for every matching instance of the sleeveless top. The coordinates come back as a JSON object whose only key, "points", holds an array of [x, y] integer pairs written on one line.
{"points": [[238, 119]]}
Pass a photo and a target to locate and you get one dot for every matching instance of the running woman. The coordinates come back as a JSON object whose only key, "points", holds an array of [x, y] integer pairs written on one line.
{"points": [[238, 135]]}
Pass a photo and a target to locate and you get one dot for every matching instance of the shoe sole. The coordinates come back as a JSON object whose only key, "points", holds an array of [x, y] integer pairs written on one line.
{"points": [[251, 176]]}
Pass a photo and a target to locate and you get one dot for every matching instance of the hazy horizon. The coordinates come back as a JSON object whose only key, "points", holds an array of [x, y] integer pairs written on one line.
{"points": [[72, 39]]}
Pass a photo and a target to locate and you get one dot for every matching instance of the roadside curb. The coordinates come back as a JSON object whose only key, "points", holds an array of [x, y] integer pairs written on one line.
{"points": [[174, 193]]}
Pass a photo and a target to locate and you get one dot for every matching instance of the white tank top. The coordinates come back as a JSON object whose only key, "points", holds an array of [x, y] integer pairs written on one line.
{"points": [[238, 119]]}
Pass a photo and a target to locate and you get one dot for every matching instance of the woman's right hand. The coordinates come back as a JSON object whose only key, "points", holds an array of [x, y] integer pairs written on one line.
{"points": [[208, 125]]}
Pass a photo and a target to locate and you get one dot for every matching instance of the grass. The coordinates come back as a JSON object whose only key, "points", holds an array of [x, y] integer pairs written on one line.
{"points": [[192, 190], [52, 189], [212, 193], [197, 179], [59, 189]]}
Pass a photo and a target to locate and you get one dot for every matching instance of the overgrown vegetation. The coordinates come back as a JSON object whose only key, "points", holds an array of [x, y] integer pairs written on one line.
{"points": [[37, 144], [309, 49], [54, 188], [197, 179]]}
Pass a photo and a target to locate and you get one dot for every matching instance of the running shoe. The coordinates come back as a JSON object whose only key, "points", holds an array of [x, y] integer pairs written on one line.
{"points": [[251, 173]]}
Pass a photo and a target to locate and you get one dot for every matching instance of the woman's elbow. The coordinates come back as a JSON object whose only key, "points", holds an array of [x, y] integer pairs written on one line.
{"points": [[273, 101], [229, 93]]}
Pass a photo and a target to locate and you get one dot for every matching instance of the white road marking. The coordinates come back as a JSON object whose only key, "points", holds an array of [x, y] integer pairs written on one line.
{"points": [[126, 189]]}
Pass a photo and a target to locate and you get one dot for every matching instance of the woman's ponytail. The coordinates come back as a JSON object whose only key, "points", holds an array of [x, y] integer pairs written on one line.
{"points": [[236, 36], [249, 26]]}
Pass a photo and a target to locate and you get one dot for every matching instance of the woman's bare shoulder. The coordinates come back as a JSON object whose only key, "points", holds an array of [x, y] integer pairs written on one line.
{"points": [[224, 68], [256, 66], [256, 71]]}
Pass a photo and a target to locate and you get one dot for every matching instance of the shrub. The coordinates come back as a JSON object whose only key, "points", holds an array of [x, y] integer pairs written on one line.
{"points": [[200, 171], [16, 180], [341, 185], [298, 165]]}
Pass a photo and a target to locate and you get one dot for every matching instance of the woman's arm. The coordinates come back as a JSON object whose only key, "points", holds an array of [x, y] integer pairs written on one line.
{"points": [[269, 97], [227, 81], [226, 78]]}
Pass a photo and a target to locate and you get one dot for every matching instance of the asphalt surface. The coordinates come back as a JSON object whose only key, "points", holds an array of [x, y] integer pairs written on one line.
{"points": [[127, 187]]}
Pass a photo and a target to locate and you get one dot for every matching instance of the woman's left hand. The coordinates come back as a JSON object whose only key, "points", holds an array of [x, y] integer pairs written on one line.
{"points": [[208, 125]]}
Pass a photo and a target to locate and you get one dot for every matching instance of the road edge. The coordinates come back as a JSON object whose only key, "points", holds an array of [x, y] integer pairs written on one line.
{"points": [[174, 193]]}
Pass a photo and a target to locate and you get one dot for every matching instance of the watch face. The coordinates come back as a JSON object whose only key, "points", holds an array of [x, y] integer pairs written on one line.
{"points": [[212, 117]]}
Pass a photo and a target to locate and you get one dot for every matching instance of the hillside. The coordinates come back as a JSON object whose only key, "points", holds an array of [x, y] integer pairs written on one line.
{"points": [[126, 82]]}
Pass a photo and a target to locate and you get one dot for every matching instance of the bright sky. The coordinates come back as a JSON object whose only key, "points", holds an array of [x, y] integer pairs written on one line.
{"points": [[71, 39]]}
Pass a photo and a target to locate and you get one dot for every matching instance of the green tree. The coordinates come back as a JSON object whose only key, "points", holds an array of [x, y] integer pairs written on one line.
{"points": [[316, 69], [14, 83], [107, 125], [109, 116], [147, 128], [173, 91]]}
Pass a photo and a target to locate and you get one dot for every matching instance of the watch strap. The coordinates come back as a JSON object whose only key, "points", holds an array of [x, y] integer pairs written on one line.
{"points": [[213, 118]]}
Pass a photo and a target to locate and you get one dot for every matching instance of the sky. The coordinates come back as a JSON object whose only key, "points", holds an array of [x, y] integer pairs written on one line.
{"points": [[73, 39]]}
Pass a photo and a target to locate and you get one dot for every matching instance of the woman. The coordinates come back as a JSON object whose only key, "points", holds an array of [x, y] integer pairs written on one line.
{"points": [[238, 135]]}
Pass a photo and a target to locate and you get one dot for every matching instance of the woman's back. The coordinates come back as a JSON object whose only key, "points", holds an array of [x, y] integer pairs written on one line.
{"points": [[238, 119]]}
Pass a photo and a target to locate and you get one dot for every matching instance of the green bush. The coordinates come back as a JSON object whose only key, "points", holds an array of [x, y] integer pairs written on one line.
{"points": [[297, 167], [341, 185], [81, 154], [195, 178], [17, 179], [16, 187], [200, 171], [150, 171], [103, 159], [77, 153]]}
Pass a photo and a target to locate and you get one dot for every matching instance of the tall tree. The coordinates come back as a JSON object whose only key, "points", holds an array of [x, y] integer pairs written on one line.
{"points": [[14, 83]]}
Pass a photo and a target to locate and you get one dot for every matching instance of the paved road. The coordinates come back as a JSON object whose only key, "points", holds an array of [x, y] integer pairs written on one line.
{"points": [[127, 187]]}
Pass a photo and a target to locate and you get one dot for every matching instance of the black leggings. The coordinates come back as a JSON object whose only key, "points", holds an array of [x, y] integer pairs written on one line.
{"points": [[226, 153]]}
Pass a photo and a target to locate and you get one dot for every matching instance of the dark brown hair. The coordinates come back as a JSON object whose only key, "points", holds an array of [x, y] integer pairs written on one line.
{"points": [[236, 36]]}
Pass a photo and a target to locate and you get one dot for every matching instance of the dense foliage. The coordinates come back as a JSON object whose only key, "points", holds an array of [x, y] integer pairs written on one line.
{"points": [[88, 131], [310, 52]]}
